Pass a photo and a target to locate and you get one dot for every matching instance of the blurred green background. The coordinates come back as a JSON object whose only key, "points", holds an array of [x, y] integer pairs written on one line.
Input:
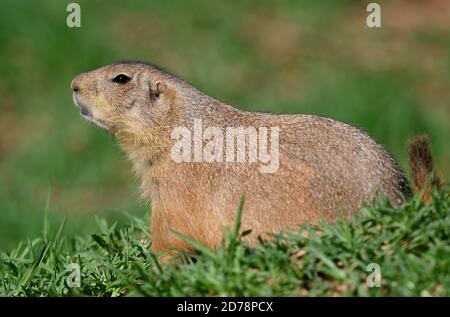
{"points": [[315, 57]]}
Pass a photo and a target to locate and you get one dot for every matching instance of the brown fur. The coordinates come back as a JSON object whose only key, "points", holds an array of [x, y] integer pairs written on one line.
{"points": [[421, 166], [327, 168]]}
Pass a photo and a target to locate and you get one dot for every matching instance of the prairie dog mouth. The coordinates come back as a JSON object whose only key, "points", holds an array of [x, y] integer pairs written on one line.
{"points": [[86, 113]]}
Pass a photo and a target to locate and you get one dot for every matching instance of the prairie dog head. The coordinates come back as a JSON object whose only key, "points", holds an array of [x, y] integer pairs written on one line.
{"points": [[125, 98]]}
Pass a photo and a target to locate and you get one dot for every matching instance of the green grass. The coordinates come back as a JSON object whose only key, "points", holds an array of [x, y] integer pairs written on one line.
{"points": [[410, 244]]}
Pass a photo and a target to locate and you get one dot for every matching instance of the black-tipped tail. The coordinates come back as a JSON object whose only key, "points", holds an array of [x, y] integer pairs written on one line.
{"points": [[421, 165]]}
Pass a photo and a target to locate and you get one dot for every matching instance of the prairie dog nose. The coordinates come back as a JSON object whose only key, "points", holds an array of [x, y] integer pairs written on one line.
{"points": [[75, 86], [78, 82]]}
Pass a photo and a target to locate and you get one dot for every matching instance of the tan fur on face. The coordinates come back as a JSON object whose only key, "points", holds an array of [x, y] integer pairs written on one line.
{"points": [[327, 168]]}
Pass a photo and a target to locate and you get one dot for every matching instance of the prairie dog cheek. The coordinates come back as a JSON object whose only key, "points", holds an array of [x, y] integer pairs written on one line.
{"points": [[102, 109]]}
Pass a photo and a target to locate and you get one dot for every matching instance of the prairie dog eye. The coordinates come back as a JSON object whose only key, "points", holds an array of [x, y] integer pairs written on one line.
{"points": [[121, 79]]}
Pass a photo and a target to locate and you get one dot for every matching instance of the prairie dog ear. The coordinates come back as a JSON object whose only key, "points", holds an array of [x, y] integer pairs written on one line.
{"points": [[156, 89]]}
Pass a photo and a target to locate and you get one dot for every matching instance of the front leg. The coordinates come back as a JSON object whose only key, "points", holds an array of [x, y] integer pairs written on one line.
{"points": [[165, 243]]}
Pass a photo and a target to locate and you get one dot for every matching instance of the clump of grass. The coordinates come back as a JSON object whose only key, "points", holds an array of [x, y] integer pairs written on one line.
{"points": [[409, 244]]}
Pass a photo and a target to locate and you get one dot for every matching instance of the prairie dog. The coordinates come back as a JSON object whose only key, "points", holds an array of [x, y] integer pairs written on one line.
{"points": [[326, 168]]}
